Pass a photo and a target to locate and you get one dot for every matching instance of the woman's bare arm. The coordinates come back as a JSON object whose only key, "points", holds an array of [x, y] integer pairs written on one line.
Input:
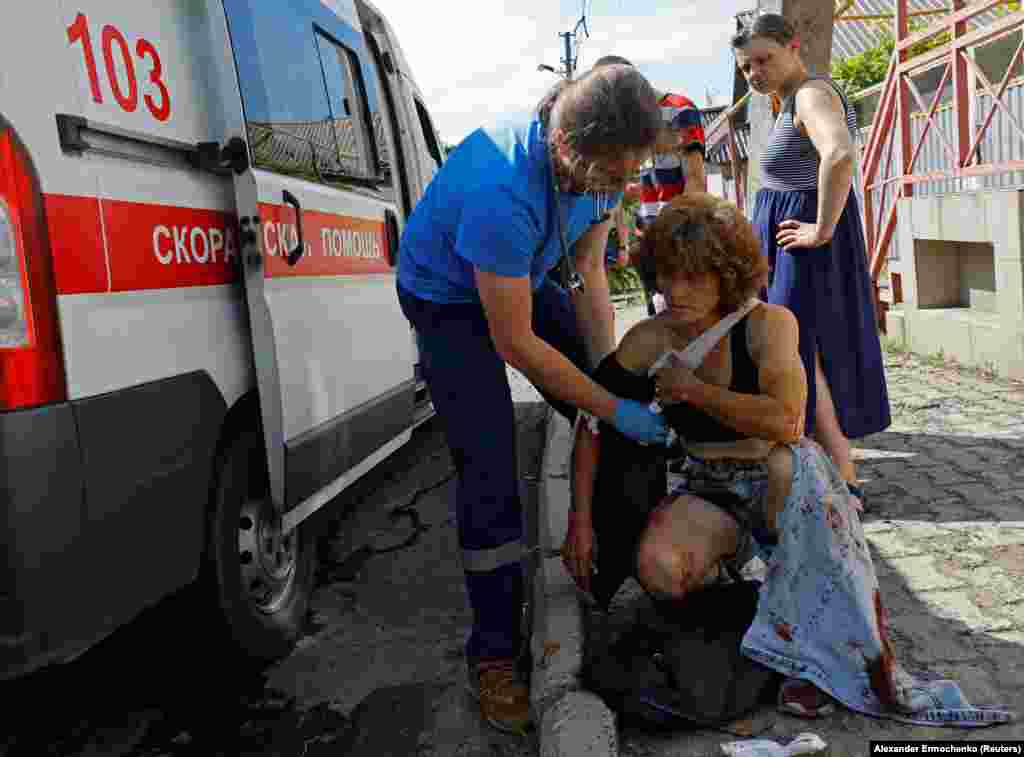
{"points": [[585, 455], [639, 348], [578, 548], [696, 177], [820, 113], [774, 348]]}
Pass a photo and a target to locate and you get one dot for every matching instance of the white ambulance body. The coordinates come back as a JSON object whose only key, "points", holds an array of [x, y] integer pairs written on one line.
{"points": [[200, 340]]}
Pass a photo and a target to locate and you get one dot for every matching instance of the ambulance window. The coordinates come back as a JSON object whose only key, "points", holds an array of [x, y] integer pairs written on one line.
{"points": [[304, 109], [380, 141], [346, 107], [428, 132], [385, 118]]}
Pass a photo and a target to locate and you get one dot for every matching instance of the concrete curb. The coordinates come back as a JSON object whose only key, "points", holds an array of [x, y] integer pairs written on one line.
{"points": [[569, 721]]}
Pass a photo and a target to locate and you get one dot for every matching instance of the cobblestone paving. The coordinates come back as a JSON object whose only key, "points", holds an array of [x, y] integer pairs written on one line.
{"points": [[946, 484]]}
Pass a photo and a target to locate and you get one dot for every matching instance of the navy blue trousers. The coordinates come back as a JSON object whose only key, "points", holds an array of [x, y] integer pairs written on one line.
{"points": [[829, 291], [468, 384]]}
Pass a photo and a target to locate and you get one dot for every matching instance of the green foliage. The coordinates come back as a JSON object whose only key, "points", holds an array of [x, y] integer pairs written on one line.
{"points": [[870, 67], [623, 280], [865, 69]]}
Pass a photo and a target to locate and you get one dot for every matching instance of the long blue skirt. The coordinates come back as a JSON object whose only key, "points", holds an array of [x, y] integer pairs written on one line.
{"points": [[829, 291]]}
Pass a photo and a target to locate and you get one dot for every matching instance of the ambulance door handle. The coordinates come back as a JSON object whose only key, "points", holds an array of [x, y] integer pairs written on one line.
{"points": [[300, 247], [391, 232]]}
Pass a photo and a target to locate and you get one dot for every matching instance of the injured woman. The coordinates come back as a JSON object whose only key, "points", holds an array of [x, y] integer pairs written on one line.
{"points": [[727, 373]]}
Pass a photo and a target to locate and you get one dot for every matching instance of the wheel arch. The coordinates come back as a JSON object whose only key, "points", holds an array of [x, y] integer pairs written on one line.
{"points": [[243, 416]]}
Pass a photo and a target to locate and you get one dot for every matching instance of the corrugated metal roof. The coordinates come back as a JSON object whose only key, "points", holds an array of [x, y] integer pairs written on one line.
{"points": [[851, 38], [708, 115], [720, 153]]}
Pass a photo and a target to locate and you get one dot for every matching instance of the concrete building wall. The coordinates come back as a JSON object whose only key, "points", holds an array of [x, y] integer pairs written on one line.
{"points": [[964, 290]]}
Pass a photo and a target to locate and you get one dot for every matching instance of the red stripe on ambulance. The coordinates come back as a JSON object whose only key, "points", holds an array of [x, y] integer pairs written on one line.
{"points": [[76, 240], [335, 245], [150, 246], [166, 247], [162, 247]]}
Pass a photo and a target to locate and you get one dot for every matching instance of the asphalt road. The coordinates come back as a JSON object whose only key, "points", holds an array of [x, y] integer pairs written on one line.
{"points": [[380, 671]]}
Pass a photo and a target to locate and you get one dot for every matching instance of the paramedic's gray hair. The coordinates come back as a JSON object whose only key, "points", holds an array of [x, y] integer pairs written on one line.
{"points": [[608, 111]]}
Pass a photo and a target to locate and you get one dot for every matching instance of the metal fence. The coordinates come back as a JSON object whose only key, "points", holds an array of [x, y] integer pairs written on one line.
{"points": [[1000, 144]]}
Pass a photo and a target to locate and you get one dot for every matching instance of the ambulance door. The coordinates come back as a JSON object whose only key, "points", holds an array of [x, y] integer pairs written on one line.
{"points": [[319, 224], [418, 138]]}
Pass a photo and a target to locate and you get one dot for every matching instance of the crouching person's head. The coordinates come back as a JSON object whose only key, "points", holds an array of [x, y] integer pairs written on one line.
{"points": [[701, 253]]}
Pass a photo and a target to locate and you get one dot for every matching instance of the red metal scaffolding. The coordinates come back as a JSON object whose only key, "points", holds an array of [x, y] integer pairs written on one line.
{"points": [[891, 128]]}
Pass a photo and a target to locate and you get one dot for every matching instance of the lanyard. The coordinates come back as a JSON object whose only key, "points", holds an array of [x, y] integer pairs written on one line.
{"points": [[571, 278]]}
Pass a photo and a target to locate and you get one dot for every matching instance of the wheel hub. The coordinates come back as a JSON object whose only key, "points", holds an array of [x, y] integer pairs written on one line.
{"points": [[266, 557]]}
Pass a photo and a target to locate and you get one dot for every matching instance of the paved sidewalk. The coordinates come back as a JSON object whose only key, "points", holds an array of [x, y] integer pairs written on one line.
{"points": [[947, 483]]}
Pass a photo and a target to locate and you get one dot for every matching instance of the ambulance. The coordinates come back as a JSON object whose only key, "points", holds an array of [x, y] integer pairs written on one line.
{"points": [[200, 339]]}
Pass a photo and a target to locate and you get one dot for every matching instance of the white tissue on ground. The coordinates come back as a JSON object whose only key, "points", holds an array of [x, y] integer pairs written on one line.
{"points": [[804, 743]]}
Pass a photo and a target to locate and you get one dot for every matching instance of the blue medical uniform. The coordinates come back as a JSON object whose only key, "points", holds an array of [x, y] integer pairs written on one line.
{"points": [[491, 206]]}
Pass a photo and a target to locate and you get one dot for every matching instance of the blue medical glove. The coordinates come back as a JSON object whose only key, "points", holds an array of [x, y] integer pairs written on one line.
{"points": [[637, 421]]}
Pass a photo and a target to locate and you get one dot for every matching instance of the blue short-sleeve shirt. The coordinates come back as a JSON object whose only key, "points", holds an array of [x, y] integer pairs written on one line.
{"points": [[491, 206]]}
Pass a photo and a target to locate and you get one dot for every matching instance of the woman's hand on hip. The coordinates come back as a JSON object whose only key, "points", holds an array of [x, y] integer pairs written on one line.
{"points": [[794, 235], [578, 549]]}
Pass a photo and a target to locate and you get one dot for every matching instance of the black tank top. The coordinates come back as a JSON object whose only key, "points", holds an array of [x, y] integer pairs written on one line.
{"points": [[693, 424]]}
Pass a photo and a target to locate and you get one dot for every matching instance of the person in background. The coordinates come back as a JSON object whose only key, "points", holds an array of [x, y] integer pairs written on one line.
{"points": [[808, 220], [677, 166], [617, 252]]}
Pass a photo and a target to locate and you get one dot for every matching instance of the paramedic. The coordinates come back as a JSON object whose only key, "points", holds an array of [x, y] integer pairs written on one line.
{"points": [[505, 209]]}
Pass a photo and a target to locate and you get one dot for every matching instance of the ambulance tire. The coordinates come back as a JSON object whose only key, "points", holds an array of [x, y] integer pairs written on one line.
{"points": [[261, 622]]}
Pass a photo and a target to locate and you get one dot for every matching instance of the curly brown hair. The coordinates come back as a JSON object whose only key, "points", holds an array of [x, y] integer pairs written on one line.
{"points": [[700, 233]]}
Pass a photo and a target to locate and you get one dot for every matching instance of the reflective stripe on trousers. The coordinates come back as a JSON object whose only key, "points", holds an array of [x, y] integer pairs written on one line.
{"points": [[489, 560], [468, 383]]}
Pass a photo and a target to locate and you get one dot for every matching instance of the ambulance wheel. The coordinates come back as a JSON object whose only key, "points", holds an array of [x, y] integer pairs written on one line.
{"points": [[262, 578]]}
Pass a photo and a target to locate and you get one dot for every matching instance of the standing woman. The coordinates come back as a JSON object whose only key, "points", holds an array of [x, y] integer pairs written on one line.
{"points": [[504, 209], [808, 220]]}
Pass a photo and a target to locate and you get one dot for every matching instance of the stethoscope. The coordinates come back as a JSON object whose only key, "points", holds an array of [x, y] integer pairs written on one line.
{"points": [[571, 278]]}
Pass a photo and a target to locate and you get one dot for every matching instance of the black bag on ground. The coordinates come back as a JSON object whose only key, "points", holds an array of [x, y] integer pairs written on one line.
{"points": [[684, 669]]}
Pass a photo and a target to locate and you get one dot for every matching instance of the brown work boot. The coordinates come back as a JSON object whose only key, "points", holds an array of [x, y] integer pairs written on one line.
{"points": [[504, 699]]}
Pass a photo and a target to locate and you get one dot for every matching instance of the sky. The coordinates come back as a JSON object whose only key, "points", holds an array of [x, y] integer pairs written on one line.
{"points": [[476, 60]]}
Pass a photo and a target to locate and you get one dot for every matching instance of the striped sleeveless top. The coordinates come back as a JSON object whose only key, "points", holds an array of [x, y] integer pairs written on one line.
{"points": [[790, 161]]}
